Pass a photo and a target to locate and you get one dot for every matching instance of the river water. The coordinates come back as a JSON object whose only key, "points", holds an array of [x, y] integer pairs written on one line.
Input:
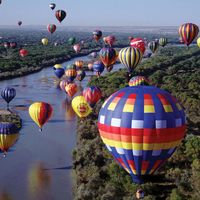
{"points": [[39, 165]]}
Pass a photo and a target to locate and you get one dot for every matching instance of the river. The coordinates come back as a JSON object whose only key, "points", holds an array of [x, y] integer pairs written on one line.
{"points": [[39, 165]]}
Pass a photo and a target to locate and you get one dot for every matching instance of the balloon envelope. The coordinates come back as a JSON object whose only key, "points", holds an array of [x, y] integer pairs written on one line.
{"points": [[141, 127], [108, 56], [138, 80], [9, 134], [138, 43], [40, 112], [130, 57], [188, 32], [92, 95], [8, 94], [60, 15], [71, 89], [81, 107]]}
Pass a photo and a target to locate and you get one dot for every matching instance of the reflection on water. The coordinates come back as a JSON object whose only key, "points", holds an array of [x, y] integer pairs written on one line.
{"points": [[39, 180], [4, 195], [69, 112]]}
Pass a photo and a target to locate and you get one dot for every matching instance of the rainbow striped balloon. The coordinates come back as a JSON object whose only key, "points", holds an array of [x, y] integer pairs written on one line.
{"points": [[138, 80], [188, 32], [141, 127]]}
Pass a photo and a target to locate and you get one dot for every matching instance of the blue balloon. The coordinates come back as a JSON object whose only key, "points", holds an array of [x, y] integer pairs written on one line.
{"points": [[98, 67], [59, 72], [8, 94]]}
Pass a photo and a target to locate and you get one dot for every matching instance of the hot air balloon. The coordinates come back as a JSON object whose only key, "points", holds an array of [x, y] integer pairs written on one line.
{"points": [[8, 94], [139, 194], [71, 89], [153, 46], [108, 56], [98, 67], [130, 57], [138, 43], [93, 54], [9, 134], [188, 32], [6, 45], [138, 80], [40, 112], [97, 35], [19, 23], [45, 41], [141, 127], [110, 40], [80, 75], [71, 66], [77, 48], [71, 40], [162, 42], [13, 45], [63, 84], [59, 72], [198, 42], [52, 6], [51, 28], [23, 52], [71, 74], [90, 66], [60, 15], [79, 63], [81, 107], [92, 95], [56, 66]]}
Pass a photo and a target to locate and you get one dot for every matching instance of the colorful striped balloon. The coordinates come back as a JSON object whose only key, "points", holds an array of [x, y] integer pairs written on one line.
{"points": [[60, 15], [9, 134], [188, 32], [79, 63], [141, 127], [153, 46], [51, 28], [71, 89], [71, 74], [98, 67], [138, 80], [130, 57], [80, 75], [108, 56], [92, 95], [40, 112], [163, 42]]}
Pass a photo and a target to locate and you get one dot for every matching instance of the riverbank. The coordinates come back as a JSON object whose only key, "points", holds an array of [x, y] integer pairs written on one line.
{"points": [[29, 69], [10, 116], [97, 174]]}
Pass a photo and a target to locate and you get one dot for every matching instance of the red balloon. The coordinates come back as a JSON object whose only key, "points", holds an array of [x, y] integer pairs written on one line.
{"points": [[51, 28], [138, 43], [23, 52], [92, 95]]}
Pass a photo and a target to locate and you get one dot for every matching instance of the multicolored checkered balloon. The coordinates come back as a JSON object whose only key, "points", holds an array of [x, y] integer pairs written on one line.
{"points": [[141, 126]]}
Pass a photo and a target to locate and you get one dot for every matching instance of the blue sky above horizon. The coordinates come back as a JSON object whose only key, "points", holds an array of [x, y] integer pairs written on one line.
{"points": [[102, 13]]}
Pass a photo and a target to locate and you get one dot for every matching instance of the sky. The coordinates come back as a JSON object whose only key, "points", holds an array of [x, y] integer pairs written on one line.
{"points": [[102, 12]]}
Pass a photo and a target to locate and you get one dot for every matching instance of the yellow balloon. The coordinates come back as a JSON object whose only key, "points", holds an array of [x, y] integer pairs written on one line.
{"points": [[198, 42], [45, 41], [81, 107], [40, 112], [56, 66]]}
